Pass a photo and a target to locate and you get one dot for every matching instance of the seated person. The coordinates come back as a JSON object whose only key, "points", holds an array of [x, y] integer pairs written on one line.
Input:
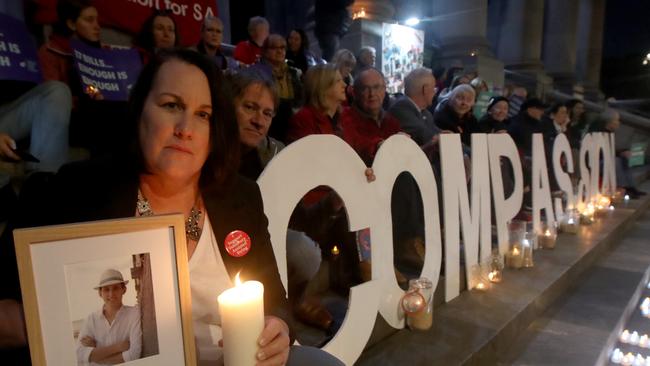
{"points": [[456, 114], [210, 44], [495, 119], [249, 52], [274, 67], [158, 32], [609, 121], [113, 333]]}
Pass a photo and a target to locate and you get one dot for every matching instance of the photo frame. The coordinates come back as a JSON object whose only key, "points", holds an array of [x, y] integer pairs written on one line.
{"points": [[67, 269]]}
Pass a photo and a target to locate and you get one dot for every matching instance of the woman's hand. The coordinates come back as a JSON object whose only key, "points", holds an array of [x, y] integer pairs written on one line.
{"points": [[273, 342]]}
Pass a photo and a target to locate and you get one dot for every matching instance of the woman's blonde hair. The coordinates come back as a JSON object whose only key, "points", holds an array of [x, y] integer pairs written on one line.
{"points": [[317, 81]]}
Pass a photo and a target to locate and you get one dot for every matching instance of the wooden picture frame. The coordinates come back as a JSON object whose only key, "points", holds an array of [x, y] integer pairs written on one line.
{"points": [[45, 256]]}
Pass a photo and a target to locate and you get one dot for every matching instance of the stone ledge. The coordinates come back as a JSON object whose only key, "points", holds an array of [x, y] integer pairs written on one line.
{"points": [[475, 327]]}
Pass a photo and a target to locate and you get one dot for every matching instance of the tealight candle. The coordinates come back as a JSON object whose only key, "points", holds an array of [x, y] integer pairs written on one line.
{"points": [[242, 321], [495, 276], [481, 286], [625, 336], [617, 356], [514, 258], [627, 197], [547, 239]]}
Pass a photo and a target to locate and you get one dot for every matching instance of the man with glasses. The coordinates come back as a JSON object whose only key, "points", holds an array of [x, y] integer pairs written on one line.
{"points": [[286, 79], [365, 124]]}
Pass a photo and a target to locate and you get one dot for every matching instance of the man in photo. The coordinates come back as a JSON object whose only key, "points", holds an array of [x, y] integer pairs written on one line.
{"points": [[112, 334]]}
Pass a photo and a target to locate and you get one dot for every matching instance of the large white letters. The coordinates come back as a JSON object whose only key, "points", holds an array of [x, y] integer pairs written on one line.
{"points": [[475, 222], [502, 146], [540, 185]]}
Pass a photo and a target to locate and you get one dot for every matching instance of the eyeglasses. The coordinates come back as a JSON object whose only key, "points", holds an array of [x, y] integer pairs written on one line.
{"points": [[253, 108], [374, 88]]}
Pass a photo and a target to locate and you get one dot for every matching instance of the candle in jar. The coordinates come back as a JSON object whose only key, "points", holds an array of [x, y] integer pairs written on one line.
{"points": [[547, 241], [625, 336], [480, 286], [634, 338], [617, 356], [242, 321], [514, 258], [494, 276], [643, 341]]}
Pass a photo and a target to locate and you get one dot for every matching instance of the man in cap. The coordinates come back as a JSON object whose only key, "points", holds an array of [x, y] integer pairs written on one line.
{"points": [[113, 333]]}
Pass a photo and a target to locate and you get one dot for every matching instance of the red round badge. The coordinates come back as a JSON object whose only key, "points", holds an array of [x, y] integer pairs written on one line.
{"points": [[237, 243]]}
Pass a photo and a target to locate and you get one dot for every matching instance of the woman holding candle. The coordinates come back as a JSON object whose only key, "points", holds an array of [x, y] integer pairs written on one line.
{"points": [[183, 158]]}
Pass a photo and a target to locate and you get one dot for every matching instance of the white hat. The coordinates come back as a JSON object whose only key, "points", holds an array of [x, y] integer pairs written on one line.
{"points": [[110, 277]]}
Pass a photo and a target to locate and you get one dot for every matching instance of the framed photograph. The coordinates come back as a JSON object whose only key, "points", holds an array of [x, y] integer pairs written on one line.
{"points": [[106, 292]]}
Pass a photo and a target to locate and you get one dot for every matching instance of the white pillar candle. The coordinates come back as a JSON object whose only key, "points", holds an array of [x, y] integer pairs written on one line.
{"points": [[242, 321]]}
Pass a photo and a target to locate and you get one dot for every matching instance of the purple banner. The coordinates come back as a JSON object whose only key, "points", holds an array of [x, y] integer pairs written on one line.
{"points": [[111, 71], [18, 59]]}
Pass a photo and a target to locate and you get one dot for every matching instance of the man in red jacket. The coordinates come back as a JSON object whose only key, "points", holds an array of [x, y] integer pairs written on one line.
{"points": [[249, 52], [365, 124]]}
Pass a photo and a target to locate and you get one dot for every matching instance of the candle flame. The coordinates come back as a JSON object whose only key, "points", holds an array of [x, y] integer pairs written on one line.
{"points": [[547, 232], [335, 250], [515, 251], [480, 286], [237, 280]]}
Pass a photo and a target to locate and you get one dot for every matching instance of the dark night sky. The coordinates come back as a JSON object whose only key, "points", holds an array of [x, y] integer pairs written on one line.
{"points": [[626, 41], [627, 28]]}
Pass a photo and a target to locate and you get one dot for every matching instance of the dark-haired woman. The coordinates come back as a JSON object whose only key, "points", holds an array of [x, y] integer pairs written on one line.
{"points": [[158, 32], [184, 159], [298, 54], [76, 19]]}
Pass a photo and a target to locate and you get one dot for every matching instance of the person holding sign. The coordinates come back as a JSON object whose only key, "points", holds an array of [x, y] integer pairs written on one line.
{"points": [[77, 19]]}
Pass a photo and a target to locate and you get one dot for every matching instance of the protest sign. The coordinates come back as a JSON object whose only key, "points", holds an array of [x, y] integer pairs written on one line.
{"points": [[111, 72], [18, 59]]}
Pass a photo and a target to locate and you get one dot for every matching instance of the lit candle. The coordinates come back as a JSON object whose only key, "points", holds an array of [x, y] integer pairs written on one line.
{"points": [[494, 276], [627, 197], [639, 360], [643, 341], [335, 250], [628, 359], [480, 286], [514, 258], [634, 338], [242, 321], [617, 356], [547, 240], [625, 336]]}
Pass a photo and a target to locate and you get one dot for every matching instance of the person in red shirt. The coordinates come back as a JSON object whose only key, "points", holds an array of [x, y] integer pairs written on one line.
{"points": [[324, 92], [365, 125], [250, 51]]}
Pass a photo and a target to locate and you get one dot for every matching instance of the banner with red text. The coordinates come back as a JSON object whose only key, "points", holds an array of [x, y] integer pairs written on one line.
{"points": [[128, 15]]}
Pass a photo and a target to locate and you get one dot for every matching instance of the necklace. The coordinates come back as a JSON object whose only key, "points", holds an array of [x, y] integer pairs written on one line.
{"points": [[192, 227]]}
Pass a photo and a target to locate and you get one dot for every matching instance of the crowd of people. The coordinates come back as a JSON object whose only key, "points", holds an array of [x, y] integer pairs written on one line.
{"points": [[201, 126]]}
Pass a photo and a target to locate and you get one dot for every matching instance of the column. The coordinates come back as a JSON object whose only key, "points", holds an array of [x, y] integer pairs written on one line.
{"points": [[591, 20], [458, 28], [559, 43], [366, 29], [516, 31]]}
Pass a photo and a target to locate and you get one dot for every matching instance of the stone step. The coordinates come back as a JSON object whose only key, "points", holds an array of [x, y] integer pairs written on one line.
{"points": [[475, 327]]}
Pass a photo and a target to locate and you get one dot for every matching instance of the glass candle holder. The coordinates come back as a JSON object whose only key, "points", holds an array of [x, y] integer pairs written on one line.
{"points": [[527, 246], [495, 267], [587, 215], [547, 236], [478, 279], [417, 304], [570, 221]]}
